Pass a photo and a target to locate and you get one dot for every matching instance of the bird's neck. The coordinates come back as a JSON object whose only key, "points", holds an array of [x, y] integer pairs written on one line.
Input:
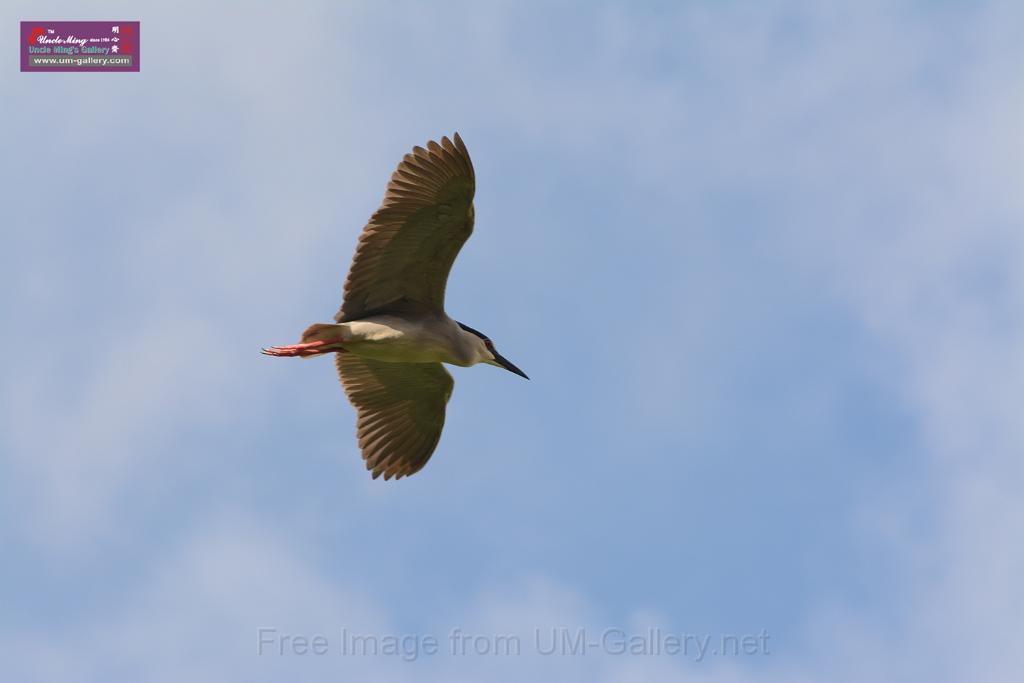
{"points": [[468, 349]]}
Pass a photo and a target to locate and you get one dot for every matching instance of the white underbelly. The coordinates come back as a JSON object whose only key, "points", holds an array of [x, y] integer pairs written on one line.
{"points": [[393, 339]]}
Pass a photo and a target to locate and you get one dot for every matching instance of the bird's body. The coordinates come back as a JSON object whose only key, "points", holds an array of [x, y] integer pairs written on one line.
{"points": [[392, 334], [410, 337]]}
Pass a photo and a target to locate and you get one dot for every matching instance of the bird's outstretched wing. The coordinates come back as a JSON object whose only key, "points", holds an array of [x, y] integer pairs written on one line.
{"points": [[411, 241], [400, 410]]}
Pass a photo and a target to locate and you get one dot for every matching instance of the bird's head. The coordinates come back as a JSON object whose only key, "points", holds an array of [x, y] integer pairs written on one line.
{"points": [[484, 351]]}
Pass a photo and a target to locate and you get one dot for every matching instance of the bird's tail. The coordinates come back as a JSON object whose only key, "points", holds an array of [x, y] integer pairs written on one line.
{"points": [[327, 333], [317, 340], [322, 332]]}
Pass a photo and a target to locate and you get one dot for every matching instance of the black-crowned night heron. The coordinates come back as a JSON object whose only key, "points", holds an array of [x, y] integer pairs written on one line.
{"points": [[391, 334]]}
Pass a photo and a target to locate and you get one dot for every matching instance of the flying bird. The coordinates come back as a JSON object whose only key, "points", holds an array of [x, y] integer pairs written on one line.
{"points": [[392, 334]]}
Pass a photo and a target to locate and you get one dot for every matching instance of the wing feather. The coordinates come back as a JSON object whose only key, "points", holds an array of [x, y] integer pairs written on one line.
{"points": [[408, 247], [400, 411]]}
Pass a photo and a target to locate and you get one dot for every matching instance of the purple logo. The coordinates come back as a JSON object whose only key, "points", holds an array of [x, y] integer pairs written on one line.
{"points": [[79, 46]]}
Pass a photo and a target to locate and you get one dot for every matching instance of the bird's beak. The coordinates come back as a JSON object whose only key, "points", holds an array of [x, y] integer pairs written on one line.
{"points": [[505, 363]]}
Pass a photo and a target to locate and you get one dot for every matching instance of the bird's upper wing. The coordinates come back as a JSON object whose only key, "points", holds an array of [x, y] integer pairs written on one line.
{"points": [[400, 410], [411, 241]]}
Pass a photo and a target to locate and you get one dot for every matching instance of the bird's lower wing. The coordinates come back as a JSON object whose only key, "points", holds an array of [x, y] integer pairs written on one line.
{"points": [[400, 409]]}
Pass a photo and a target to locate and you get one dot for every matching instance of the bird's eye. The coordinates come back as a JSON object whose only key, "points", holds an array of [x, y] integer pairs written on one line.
{"points": [[489, 345]]}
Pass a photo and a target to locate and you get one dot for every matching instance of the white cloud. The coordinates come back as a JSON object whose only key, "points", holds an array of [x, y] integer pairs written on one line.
{"points": [[197, 614]]}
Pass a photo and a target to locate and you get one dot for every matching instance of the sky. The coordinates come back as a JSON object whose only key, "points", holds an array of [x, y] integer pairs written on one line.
{"points": [[761, 260]]}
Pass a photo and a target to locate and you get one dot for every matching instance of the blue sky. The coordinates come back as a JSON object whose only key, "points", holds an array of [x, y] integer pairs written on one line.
{"points": [[779, 245]]}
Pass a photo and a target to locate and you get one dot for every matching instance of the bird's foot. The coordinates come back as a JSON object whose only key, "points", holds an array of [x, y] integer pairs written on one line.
{"points": [[313, 348]]}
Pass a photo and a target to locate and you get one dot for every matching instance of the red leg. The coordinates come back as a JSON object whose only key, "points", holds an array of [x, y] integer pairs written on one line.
{"points": [[313, 348]]}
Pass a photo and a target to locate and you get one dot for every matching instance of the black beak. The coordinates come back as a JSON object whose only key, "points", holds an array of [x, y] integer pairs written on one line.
{"points": [[504, 362]]}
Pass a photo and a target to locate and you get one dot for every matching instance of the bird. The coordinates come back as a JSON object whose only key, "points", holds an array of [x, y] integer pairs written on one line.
{"points": [[391, 335]]}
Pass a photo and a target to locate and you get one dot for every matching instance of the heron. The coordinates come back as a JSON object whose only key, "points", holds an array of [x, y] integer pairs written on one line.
{"points": [[391, 335]]}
